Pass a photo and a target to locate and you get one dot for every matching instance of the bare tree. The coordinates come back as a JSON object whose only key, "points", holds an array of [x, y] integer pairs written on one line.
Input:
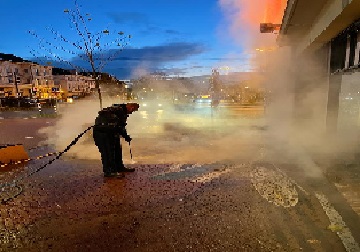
{"points": [[95, 49]]}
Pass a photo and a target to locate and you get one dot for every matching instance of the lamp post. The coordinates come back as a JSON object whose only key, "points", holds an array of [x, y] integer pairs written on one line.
{"points": [[16, 88], [266, 52]]}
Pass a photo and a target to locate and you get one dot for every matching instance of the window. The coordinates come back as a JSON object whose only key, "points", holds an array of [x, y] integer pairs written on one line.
{"points": [[26, 70]]}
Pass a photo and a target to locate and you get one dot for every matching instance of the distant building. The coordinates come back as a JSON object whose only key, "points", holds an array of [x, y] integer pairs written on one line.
{"points": [[25, 79], [43, 82], [73, 85], [22, 78]]}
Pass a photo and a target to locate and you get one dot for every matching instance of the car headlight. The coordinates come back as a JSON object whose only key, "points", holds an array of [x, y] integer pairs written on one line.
{"points": [[160, 105], [144, 104]]}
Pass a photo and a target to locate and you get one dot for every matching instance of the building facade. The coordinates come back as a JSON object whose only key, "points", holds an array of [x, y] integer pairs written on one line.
{"points": [[24, 79], [325, 52], [73, 85]]}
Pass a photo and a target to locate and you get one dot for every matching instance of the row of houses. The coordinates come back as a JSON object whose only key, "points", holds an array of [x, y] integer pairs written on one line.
{"points": [[21, 78]]}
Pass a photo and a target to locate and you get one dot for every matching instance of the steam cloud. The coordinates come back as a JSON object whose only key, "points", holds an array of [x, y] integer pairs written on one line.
{"points": [[288, 140], [173, 136]]}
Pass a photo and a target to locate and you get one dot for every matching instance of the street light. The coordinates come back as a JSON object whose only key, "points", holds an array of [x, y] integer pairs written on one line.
{"points": [[265, 51]]}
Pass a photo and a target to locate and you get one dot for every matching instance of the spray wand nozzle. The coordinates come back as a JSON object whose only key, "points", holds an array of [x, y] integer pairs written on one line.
{"points": [[130, 152]]}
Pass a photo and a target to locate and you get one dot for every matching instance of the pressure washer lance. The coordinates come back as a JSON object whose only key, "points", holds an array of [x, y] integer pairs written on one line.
{"points": [[131, 155], [20, 189], [130, 152]]}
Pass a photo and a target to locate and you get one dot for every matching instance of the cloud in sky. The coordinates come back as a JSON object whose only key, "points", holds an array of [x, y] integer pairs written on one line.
{"points": [[132, 61], [153, 58], [169, 58], [197, 67], [142, 21], [174, 71], [128, 17], [169, 31], [167, 52]]}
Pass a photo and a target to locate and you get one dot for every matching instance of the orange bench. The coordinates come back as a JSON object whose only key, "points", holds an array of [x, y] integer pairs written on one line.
{"points": [[12, 153]]}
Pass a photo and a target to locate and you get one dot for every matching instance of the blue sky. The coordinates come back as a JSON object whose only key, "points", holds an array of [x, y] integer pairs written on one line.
{"points": [[181, 37]]}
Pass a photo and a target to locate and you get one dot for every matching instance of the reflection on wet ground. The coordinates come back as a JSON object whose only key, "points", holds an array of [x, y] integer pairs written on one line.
{"points": [[28, 113], [168, 135]]}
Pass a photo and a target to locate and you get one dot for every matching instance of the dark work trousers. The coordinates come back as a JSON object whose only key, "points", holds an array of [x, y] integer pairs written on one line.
{"points": [[105, 144], [118, 154]]}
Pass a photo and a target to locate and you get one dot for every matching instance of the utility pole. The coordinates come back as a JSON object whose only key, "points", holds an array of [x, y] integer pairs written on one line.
{"points": [[31, 81], [17, 89], [16, 86], [215, 87]]}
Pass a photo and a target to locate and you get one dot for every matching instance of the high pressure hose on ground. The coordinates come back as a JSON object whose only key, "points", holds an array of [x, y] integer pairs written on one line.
{"points": [[16, 181], [132, 107]]}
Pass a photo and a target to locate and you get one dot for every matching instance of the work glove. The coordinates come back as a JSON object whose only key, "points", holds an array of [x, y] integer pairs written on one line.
{"points": [[128, 138]]}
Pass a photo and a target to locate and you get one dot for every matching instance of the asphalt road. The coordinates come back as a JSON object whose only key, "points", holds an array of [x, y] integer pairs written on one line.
{"points": [[27, 113], [217, 207]]}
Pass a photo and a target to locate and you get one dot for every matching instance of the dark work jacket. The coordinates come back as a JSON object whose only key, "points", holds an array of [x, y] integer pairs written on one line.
{"points": [[110, 123], [121, 117]]}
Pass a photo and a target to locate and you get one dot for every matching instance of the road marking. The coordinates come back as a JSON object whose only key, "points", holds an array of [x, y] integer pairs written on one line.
{"points": [[291, 180], [210, 176], [274, 186], [338, 225], [177, 168], [195, 173]]}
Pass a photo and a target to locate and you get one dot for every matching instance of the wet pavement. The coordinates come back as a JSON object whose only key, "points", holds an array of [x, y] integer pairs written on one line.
{"points": [[70, 207], [27, 113], [248, 203]]}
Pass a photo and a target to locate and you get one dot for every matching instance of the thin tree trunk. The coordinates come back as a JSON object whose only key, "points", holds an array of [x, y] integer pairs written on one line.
{"points": [[97, 84]]}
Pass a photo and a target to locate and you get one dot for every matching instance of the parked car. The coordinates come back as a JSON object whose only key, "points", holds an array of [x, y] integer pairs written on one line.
{"points": [[27, 103], [9, 102], [18, 102]]}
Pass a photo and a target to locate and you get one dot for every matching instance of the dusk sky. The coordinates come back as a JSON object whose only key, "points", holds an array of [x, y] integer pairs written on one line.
{"points": [[186, 38]]}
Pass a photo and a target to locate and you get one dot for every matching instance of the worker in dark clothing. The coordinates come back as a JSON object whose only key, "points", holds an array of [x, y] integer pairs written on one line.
{"points": [[109, 126], [122, 112], [103, 132]]}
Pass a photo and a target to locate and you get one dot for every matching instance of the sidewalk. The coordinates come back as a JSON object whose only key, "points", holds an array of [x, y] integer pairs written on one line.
{"points": [[70, 206], [346, 178]]}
